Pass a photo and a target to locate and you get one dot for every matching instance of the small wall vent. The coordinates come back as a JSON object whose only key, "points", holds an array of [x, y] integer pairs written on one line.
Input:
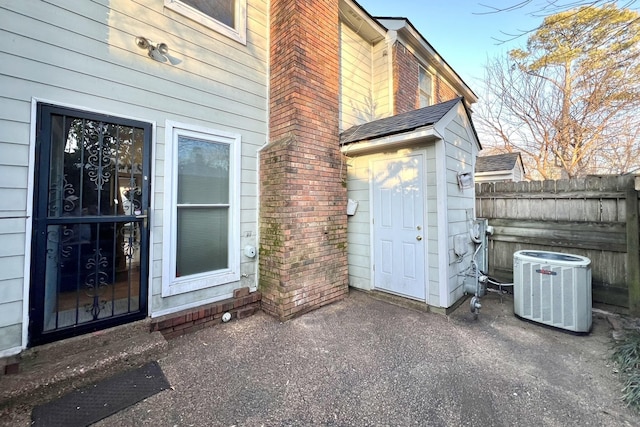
{"points": [[553, 288]]}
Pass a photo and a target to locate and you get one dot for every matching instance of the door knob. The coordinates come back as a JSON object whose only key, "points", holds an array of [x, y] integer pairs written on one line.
{"points": [[418, 238]]}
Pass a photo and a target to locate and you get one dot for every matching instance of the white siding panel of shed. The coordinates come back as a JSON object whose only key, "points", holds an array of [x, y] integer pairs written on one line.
{"points": [[83, 54], [461, 152], [356, 89], [433, 248], [359, 226]]}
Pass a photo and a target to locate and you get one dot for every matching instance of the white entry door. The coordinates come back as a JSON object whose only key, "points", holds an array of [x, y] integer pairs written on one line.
{"points": [[398, 225]]}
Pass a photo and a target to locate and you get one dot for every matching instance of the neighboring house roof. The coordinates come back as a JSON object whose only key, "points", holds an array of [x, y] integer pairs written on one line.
{"points": [[498, 162], [399, 123]]}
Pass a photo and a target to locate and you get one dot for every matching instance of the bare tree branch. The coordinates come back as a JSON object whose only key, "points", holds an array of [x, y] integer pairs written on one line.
{"points": [[568, 102], [542, 10]]}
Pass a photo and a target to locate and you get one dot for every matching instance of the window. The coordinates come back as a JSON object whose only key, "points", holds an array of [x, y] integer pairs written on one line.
{"points": [[201, 209], [425, 88], [228, 17]]}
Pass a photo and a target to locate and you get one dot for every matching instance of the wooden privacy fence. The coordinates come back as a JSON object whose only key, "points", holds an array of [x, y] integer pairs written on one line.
{"points": [[596, 217]]}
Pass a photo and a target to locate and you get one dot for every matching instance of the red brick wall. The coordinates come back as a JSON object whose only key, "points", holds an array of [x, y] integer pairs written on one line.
{"points": [[405, 80], [443, 91], [243, 304], [303, 225], [406, 72]]}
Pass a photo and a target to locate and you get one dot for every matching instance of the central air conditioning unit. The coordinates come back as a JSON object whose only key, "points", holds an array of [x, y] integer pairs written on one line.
{"points": [[553, 289]]}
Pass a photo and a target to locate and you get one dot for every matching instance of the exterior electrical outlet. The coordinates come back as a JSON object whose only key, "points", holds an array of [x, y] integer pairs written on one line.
{"points": [[553, 288]]}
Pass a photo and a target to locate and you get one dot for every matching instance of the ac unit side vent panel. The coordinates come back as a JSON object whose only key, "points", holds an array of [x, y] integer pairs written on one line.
{"points": [[553, 289]]}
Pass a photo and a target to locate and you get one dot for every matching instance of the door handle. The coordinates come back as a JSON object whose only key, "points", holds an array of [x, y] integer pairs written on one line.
{"points": [[418, 238], [144, 217]]}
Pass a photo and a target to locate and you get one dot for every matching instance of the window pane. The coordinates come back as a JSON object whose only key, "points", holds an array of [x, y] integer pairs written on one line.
{"points": [[220, 10], [425, 88], [425, 81], [203, 172], [202, 241], [425, 101]]}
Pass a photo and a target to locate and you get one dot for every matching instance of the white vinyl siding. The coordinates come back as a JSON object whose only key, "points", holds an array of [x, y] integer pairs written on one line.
{"points": [[83, 54], [14, 161], [12, 241], [357, 104], [228, 17], [365, 79], [359, 225], [461, 152], [518, 174], [382, 80], [433, 248]]}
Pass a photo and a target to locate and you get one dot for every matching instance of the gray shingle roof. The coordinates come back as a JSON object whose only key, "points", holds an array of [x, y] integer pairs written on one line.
{"points": [[399, 123], [498, 162]]}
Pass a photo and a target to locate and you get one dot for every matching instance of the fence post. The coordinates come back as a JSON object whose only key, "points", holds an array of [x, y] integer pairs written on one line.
{"points": [[633, 252]]}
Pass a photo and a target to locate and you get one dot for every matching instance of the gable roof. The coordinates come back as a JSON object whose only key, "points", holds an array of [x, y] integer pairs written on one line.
{"points": [[411, 35], [399, 123], [498, 162]]}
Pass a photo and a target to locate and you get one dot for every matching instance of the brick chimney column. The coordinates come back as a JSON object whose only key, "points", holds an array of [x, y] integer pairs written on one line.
{"points": [[303, 224]]}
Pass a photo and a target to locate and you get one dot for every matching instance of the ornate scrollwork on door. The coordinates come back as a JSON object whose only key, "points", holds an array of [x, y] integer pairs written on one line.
{"points": [[98, 161], [96, 283], [130, 240], [59, 243], [131, 198], [69, 197]]}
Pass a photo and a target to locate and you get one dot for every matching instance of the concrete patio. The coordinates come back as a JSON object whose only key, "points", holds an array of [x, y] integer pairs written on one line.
{"points": [[365, 361]]}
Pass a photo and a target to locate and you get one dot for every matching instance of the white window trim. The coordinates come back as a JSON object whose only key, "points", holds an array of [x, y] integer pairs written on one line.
{"points": [[239, 33], [420, 91], [172, 285]]}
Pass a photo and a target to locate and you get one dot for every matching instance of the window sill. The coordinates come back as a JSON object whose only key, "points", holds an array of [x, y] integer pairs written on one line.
{"points": [[238, 34]]}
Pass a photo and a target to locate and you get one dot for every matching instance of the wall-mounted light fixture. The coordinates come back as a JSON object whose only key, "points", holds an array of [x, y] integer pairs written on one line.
{"points": [[465, 180], [155, 51]]}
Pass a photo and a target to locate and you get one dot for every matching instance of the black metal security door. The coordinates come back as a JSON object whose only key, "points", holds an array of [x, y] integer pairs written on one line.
{"points": [[90, 237]]}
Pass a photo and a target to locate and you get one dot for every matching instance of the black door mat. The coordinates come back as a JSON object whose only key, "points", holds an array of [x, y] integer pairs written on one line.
{"points": [[88, 405]]}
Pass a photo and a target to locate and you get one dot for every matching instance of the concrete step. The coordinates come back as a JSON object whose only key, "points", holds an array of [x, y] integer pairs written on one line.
{"points": [[51, 370]]}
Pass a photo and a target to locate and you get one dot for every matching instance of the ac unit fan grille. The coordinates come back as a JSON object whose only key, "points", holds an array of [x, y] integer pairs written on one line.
{"points": [[547, 297], [556, 295]]}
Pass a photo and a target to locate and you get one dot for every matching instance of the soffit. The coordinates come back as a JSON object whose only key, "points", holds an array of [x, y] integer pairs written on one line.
{"points": [[354, 16]]}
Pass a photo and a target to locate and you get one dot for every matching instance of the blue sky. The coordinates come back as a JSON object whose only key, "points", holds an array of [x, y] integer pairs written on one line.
{"points": [[462, 38], [459, 31]]}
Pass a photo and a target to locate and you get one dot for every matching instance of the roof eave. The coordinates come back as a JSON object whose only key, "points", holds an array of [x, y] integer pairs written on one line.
{"points": [[395, 141], [367, 26], [500, 172], [410, 33]]}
